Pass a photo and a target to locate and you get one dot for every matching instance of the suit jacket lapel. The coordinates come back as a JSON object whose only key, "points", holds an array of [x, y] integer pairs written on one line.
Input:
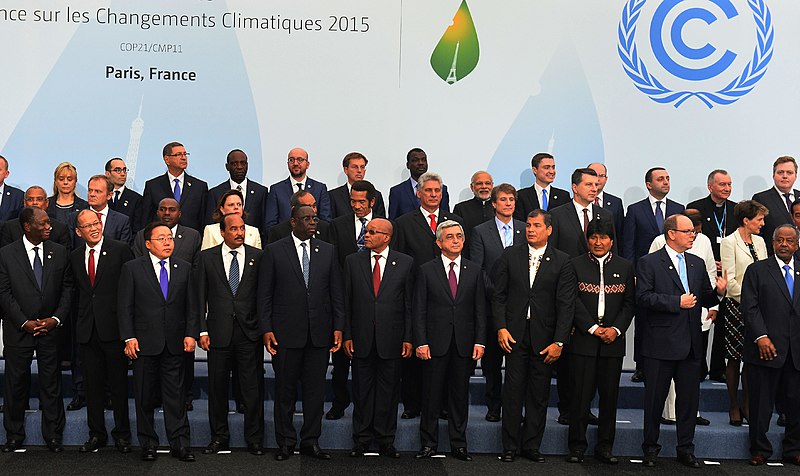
{"points": [[777, 275], [149, 271], [576, 224], [443, 279], [101, 258], [388, 270], [669, 268], [25, 263], [249, 264], [420, 220], [219, 266]]}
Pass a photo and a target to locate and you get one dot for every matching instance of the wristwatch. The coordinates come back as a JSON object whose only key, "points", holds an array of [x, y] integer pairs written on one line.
{"points": [[560, 344]]}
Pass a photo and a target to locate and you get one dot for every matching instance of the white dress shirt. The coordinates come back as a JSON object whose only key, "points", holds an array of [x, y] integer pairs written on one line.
{"points": [[653, 201], [29, 250], [181, 179], [579, 210], [358, 224], [96, 249], [235, 186], [295, 182], [157, 266], [384, 256], [299, 249], [227, 259]]}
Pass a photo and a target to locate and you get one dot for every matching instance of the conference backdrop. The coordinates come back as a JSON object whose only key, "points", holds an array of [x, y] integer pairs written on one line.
{"points": [[688, 84]]}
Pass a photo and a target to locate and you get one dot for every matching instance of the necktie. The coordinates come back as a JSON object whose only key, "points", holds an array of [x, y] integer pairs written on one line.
{"points": [[116, 196], [585, 221], [433, 222], [100, 217], [163, 279], [305, 263], [233, 273], [544, 199], [37, 267], [176, 191], [299, 186], [376, 275], [360, 240], [659, 216], [241, 190], [239, 187], [682, 273], [506, 236], [789, 279], [788, 202], [90, 268], [597, 201], [451, 278]]}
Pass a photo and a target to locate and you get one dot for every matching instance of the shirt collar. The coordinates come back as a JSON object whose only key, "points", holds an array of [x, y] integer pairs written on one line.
{"points": [[539, 190], [227, 249], [358, 220], [234, 184], [781, 264], [156, 261], [174, 230], [29, 246], [447, 261], [121, 190], [96, 247], [427, 214], [384, 254], [295, 182], [298, 241], [653, 200], [500, 224], [579, 209], [104, 211], [672, 253], [179, 177], [534, 252]]}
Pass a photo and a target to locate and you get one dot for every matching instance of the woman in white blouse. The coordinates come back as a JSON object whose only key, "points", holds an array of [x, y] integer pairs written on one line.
{"points": [[229, 202], [737, 251]]}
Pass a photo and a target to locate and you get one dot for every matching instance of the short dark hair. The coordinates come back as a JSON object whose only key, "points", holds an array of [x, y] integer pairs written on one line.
{"points": [[414, 151], [26, 216], [222, 224], [537, 159], [546, 216], [503, 188], [294, 200], [364, 186], [750, 209], [217, 215], [648, 176], [148, 229], [168, 148], [351, 156], [108, 163], [598, 226], [577, 175]]}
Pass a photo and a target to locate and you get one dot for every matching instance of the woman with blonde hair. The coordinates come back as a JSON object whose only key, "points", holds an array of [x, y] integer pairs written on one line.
{"points": [[65, 201]]}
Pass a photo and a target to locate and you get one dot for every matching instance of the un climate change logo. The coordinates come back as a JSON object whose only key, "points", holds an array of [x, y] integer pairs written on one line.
{"points": [[741, 84]]}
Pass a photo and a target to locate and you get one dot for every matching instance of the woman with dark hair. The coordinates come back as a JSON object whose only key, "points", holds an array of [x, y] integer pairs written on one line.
{"points": [[737, 251], [230, 202]]}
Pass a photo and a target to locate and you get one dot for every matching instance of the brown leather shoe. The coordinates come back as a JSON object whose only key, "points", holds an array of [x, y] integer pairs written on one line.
{"points": [[757, 460], [795, 460]]}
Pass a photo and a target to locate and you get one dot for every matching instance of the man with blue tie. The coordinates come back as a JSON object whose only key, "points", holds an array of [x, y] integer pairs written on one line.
{"points": [[541, 195], [278, 207], [672, 287], [403, 196]]}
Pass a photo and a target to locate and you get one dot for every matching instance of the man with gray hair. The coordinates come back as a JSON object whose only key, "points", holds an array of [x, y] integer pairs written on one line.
{"points": [[414, 236]]}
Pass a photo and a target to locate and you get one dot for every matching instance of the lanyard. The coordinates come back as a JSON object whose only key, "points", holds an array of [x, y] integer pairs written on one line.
{"points": [[721, 225]]}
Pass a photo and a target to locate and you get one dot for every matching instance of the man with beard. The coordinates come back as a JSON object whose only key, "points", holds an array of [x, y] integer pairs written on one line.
{"points": [[477, 209]]}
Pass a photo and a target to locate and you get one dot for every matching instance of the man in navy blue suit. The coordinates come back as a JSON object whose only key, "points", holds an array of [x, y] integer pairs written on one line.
{"points": [[609, 202], [403, 196], [255, 194], [278, 208], [672, 287], [542, 195], [11, 199], [116, 225], [124, 199], [354, 165]]}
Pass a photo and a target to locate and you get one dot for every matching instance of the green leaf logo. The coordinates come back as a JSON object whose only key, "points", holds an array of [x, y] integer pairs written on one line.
{"points": [[457, 53]]}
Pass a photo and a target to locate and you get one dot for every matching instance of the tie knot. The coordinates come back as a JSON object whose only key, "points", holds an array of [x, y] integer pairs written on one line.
{"points": [[585, 210], [303, 245], [431, 216], [162, 262], [239, 187], [659, 202], [177, 181], [91, 252], [35, 249], [452, 265], [233, 253], [506, 227], [377, 258], [680, 256], [363, 220], [787, 268]]}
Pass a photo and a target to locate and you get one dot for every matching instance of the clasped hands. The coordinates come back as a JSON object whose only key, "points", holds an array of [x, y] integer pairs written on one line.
{"points": [[606, 334], [39, 327]]}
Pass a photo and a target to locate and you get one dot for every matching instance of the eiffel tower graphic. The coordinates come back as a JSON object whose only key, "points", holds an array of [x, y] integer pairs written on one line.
{"points": [[132, 156], [451, 78]]}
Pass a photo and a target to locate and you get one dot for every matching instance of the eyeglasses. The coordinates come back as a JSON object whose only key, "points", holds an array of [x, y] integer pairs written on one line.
{"points": [[688, 232], [376, 232], [179, 154], [788, 241], [298, 160], [120, 170], [163, 239], [89, 226], [35, 199], [307, 219], [602, 175]]}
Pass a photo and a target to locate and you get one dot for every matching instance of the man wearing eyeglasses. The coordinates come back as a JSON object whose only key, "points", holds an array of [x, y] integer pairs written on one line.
{"points": [[124, 199], [116, 225], [672, 287], [278, 208], [189, 191]]}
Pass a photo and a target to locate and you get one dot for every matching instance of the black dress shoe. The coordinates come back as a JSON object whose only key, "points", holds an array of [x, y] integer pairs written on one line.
{"points": [[593, 420], [574, 457], [215, 447], [462, 454], [189, 406], [256, 449], [702, 421], [717, 377], [408, 415], [649, 461], [241, 408], [12, 446], [123, 445], [55, 446], [688, 460], [183, 454], [389, 451], [149, 454], [782, 419], [334, 414], [77, 403], [664, 421], [492, 416], [92, 445], [507, 456], [563, 420], [358, 451], [606, 457], [532, 455], [315, 452], [443, 415], [284, 453], [425, 452], [638, 376]]}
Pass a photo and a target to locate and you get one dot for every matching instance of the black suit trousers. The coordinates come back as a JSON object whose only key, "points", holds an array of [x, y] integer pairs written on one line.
{"points": [[307, 365], [17, 385], [491, 367], [166, 370], [447, 375], [590, 374], [764, 384], [247, 358], [657, 377], [527, 384], [563, 381], [339, 377], [376, 395], [106, 367], [411, 385]]}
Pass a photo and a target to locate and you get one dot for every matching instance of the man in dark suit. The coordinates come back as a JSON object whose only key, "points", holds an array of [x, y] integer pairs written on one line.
{"points": [[570, 222], [541, 195], [116, 225], [771, 309], [603, 312], [533, 307], [779, 198], [35, 293], [230, 334], [96, 265], [159, 321], [718, 222], [278, 207], [254, 194], [125, 200], [609, 202], [487, 243], [672, 287], [284, 229], [11, 198], [35, 196], [377, 290], [355, 168], [403, 196], [643, 222], [302, 316], [414, 236], [449, 331], [477, 209], [189, 191], [348, 235]]}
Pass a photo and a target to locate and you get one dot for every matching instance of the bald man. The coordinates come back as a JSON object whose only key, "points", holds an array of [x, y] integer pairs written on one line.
{"points": [[278, 208]]}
